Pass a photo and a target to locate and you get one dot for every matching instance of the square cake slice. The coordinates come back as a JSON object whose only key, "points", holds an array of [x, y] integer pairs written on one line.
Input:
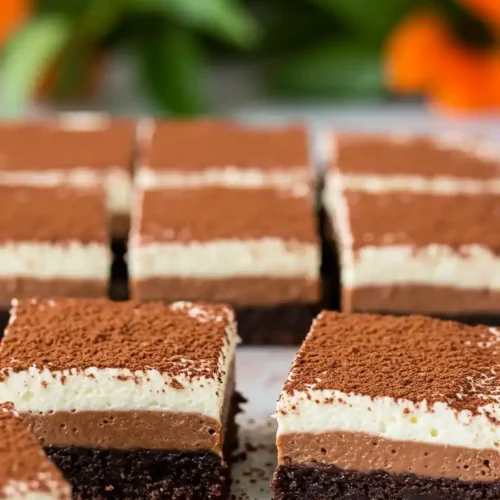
{"points": [[256, 249], [443, 164], [76, 149], [417, 252], [382, 407], [25, 471], [53, 242], [216, 152], [130, 400]]}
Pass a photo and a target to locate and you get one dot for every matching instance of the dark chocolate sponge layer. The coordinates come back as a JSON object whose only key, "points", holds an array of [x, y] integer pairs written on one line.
{"points": [[322, 482]]}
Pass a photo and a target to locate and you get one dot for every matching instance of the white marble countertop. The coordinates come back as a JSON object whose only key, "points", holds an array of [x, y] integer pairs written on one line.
{"points": [[260, 374]]}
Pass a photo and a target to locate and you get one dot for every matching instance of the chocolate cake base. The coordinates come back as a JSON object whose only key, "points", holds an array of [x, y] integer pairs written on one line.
{"points": [[285, 324], [146, 474], [149, 474], [322, 482]]}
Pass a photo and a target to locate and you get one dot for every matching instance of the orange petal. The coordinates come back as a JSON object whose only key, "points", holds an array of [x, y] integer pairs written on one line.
{"points": [[413, 51], [12, 13], [468, 81], [488, 10]]}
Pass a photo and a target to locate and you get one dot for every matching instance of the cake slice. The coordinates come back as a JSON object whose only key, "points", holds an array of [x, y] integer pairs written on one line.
{"points": [[416, 252], [217, 152], [256, 249], [53, 242], [393, 408], [73, 149], [130, 400], [25, 472], [442, 164]]}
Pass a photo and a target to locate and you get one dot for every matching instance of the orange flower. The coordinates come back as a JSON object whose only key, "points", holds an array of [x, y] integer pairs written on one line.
{"points": [[489, 10], [12, 13], [424, 57], [413, 52]]}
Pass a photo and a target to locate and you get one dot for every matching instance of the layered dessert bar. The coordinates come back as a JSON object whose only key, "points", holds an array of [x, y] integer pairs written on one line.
{"points": [[53, 242], [379, 407], [447, 163], [25, 471], [130, 400], [77, 149], [417, 252], [216, 152], [256, 249]]}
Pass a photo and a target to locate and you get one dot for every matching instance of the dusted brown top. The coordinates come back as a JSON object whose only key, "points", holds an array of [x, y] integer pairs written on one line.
{"points": [[413, 358], [421, 219], [181, 338], [417, 155], [52, 215], [193, 145], [54, 145], [204, 214], [22, 460]]}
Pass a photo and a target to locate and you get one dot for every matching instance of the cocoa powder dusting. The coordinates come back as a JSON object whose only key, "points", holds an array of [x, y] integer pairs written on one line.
{"points": [[413, 358], [178, 339], [21, 458]]}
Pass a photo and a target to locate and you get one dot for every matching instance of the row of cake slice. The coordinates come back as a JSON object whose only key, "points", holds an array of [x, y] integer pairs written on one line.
{"points": [[222, 211], [137, 400]]}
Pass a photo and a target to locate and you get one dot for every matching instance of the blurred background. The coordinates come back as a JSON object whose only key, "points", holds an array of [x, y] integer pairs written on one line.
{"points": [[419, 60]]}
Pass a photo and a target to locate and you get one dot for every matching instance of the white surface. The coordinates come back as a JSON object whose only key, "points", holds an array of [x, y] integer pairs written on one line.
{"points": [[71, 260], [260, 375], [43, 390], [224, 258]]}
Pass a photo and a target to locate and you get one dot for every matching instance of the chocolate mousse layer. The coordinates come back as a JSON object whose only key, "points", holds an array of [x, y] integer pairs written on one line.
{"points": [[421, 299], [24, 288], [127, 430], [143, 473], [239, 291], [365, 453]]}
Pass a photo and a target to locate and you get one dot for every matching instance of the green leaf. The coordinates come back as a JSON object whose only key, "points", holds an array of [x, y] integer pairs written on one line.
{"points": [[226, 19], [27, 56], [333, 69], [369, 19], [173, 68]]}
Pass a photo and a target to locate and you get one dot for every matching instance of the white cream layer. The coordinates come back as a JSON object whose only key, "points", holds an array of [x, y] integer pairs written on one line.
{"points": [[40, 390], [418, 184], [117, 182], [222, 176], [71, 260], [224, 258], [315, 411], [471, 267]]}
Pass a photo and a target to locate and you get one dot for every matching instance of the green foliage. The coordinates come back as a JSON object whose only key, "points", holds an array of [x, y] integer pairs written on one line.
{"points": [[170, 57], [336, 68], [308, 48], [172, 64], [27, 56]]}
